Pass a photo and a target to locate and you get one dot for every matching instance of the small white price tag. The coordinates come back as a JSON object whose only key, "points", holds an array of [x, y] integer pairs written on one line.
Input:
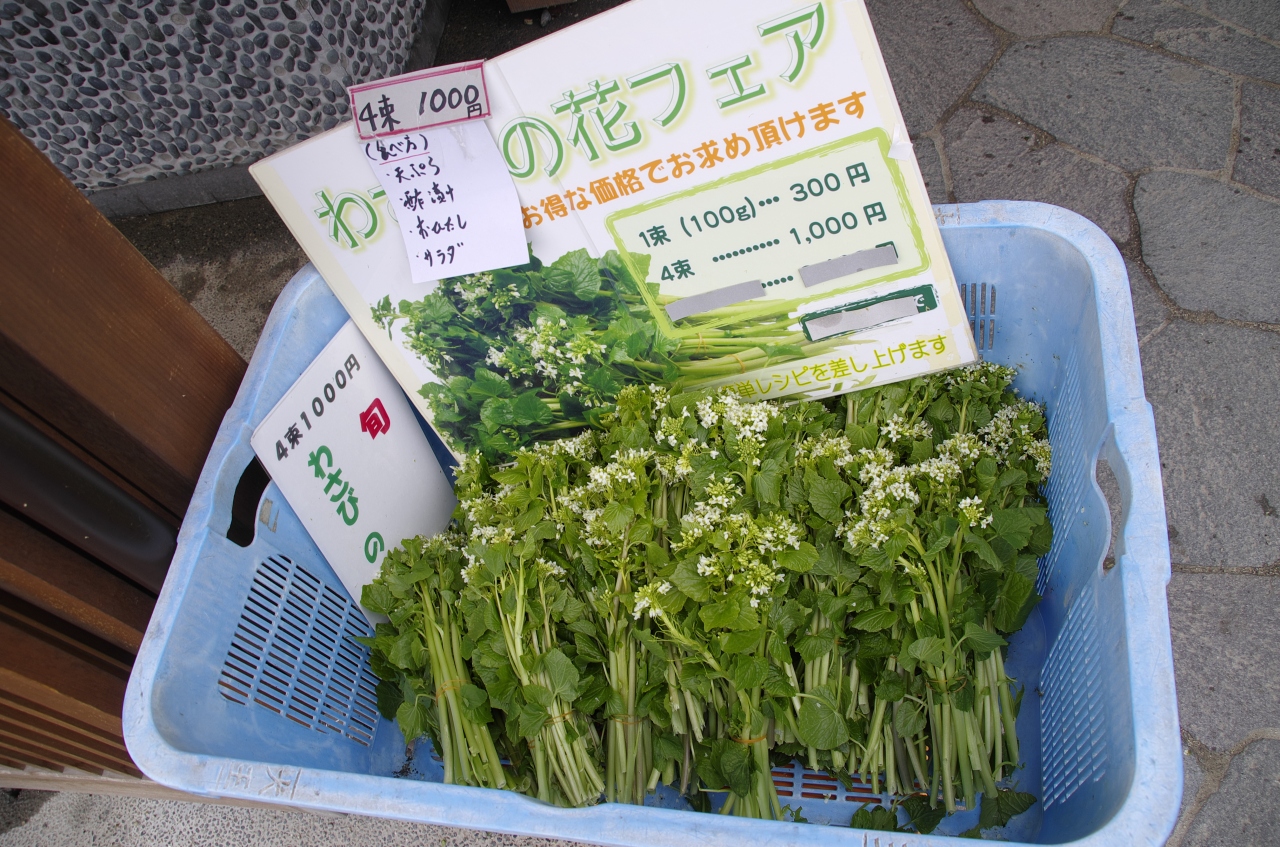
{"points": [[426, 98], [454, 200], [346, 451]]}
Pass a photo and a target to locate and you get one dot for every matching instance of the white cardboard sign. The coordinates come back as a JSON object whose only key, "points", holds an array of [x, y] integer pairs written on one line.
{"points": [[349, 456], [454, 200]]}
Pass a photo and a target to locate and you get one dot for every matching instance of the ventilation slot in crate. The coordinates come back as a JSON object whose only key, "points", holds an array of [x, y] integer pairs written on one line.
{"points": [[1069, 479], [797, 784], [293, 653], [1072, 720], [980, 303]]}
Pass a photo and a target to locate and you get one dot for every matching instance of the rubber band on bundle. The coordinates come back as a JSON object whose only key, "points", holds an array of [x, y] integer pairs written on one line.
{"points": [[449, 685], [750, 741], [626, 720]]}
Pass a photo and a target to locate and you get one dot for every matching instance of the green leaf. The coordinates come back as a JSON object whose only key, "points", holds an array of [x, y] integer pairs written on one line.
{"points": [[529, 409], [831, 605], [942, 410], [587, 648], [666, 747], [604, 382], [923, 817], [740, 642], [800, 561], [749, 672], [1012, 476], [735, 764], [413, 719], [376, 597], [389, 698], [1041, 539], [999, 810], [511, 476], [539, 695], [720, 615], [920, 451], [617, 516], [813, 647], [930, 651], [1013, 594], [577, 272], [776, 683], [821, 726], [532, 719], [985, 469], [564, 676], [909, 719], [979, 545], [876, 818], [691, 583], [767, 482], [790, 617], [486, 383], [496, 413], [980, 639], [826, 498], [1013, 525], [1013, 803], [874, 620], [890, 688], [407, 651], [475, 704]]}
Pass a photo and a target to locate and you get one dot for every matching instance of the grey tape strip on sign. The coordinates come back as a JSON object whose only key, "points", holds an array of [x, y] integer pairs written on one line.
{"points": [[843, 322], [863, 260], [709, 300]]}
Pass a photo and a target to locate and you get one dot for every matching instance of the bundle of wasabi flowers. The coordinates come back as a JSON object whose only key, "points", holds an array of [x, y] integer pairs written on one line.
{"points": [[699, 588]]}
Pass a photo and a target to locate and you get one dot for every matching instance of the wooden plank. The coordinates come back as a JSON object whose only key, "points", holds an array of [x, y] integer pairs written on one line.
{"points": [[7, 760], [39, 728], [60, 747], [60, 580], [29, 752], [16, 704], [96, 342], [52, 676], [74, 640], [60, 438]]}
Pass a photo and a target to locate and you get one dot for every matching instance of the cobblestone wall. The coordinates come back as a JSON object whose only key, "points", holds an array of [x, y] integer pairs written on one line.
{"points": [[117, 93]]}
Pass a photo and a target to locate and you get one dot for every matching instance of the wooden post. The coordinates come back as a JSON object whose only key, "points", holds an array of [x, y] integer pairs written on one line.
{"points": [[96, 342], [99, 353]]}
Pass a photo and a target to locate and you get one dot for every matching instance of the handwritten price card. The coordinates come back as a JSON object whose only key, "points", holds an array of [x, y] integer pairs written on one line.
{"points": [[452, 197], [432, 97]]}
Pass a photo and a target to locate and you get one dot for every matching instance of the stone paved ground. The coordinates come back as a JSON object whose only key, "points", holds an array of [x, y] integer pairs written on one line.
{"points": [[1158, 120]]}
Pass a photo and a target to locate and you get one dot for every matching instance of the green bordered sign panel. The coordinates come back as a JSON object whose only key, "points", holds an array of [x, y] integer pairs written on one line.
{"points": [[775, 239]]}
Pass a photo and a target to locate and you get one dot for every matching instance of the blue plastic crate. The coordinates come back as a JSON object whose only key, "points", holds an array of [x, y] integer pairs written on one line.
{"points": [[247, 685]]}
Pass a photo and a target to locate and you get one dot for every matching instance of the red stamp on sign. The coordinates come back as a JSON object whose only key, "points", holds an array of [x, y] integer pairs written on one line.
{"points": [[374, 420]]}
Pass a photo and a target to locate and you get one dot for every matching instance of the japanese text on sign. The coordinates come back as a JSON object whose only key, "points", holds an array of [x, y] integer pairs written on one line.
{"points": [[346, 451], [457, 208], [418, 100], [766, 134], [600, 121], [809, 226]]}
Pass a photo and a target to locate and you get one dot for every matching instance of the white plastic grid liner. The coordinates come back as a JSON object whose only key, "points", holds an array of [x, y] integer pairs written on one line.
{"points": [[293, 653]]}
